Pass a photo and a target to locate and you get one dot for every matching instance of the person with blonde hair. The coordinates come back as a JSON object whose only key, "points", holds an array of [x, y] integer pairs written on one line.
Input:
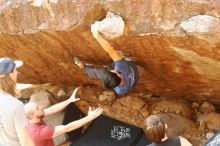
{"points": [[13, 123], [43, 134], [155, 130]]}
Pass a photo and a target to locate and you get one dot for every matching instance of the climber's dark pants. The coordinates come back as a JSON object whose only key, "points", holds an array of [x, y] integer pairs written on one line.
{"points": [[96, 73]]}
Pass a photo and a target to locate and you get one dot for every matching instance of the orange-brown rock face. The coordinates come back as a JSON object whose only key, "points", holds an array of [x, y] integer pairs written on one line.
{"points": [[175, 43]]}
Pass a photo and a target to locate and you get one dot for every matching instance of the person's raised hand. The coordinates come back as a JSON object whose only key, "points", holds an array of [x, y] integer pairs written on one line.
{"points": [[73, 96], [95, 29], [94, 113]]}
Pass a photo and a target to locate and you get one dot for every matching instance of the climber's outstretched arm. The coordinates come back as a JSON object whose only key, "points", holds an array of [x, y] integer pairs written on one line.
{"points": [[109, 48], [105, 44]]}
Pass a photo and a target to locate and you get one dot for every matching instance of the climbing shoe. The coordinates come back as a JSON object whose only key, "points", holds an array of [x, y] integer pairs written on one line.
{"points": [[78, 62]]}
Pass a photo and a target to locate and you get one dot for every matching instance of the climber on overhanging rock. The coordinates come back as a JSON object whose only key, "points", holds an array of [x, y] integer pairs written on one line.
{"points": [[125, 74]]}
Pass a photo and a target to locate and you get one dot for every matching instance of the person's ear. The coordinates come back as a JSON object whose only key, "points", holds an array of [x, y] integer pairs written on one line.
{"points": [[166, 126]]}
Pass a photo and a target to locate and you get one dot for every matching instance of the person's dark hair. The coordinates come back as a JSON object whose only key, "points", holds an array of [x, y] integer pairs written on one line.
{"points": [[154, 128], [111, 80]]}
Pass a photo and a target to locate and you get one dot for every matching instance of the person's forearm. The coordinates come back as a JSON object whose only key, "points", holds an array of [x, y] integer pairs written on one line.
{"points": [[56, 108], [105, 44], [79, 123], [109, 48], [61, 129]]}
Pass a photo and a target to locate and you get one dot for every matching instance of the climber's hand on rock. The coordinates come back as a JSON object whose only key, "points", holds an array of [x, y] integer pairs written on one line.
{"points": [[95, 29]]}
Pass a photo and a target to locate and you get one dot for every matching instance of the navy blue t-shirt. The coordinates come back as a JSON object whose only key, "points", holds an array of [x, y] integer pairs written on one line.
{"points": [[129, 72]]}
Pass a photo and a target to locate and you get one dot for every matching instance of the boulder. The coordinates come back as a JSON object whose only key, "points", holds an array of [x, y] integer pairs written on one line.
{"points": [[206, 107], [132, 102], [168, 106], [210, 120], [177, 59]]}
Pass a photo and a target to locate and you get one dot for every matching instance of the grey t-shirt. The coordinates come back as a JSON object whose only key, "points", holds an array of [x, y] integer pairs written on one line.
{"points": [[12, 117]]}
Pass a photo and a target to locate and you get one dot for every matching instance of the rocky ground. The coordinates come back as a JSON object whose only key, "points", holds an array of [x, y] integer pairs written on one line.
{"points": [[195, 121]]}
